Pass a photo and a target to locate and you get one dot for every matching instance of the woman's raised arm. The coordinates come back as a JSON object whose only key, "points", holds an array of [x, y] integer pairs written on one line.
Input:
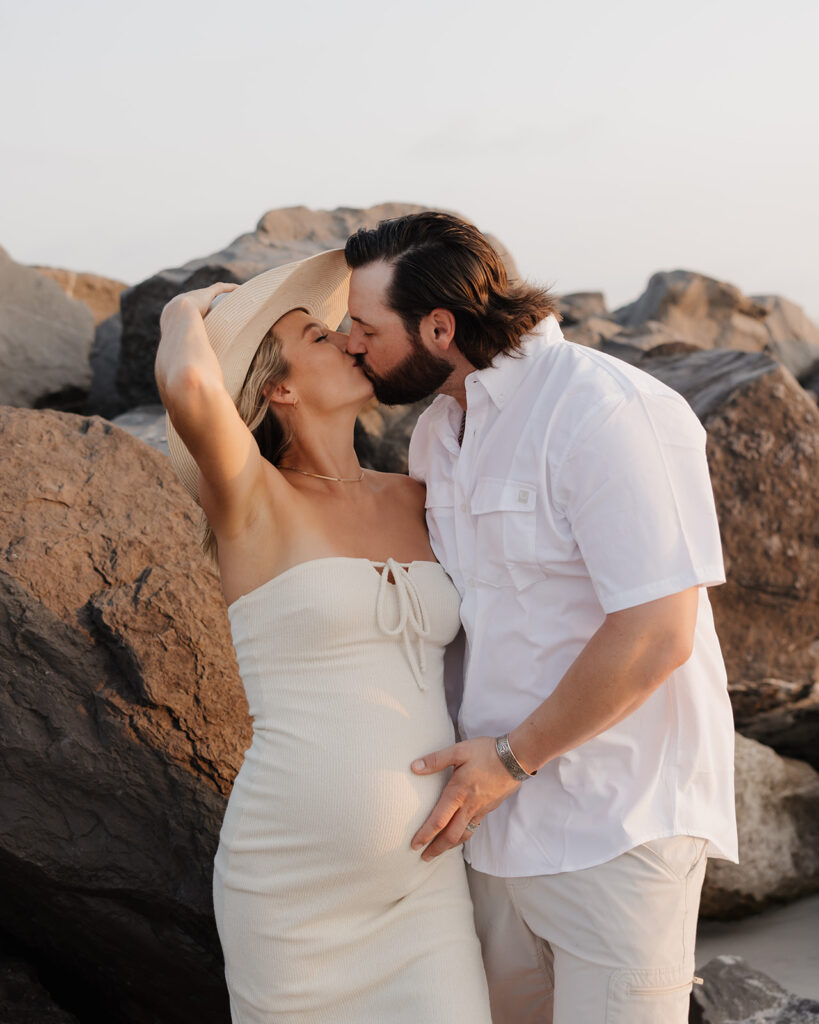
{"points": [[192, 390]]}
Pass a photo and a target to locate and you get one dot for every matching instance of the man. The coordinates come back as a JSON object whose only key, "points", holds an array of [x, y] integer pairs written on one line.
{"points": [[568, 497]]}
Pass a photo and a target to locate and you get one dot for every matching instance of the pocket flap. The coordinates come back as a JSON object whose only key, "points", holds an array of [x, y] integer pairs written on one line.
{"points": [[493, 495]]}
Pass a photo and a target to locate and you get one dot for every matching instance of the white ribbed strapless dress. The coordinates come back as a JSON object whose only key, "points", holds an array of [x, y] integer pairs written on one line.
{"points": [[325, 914]]}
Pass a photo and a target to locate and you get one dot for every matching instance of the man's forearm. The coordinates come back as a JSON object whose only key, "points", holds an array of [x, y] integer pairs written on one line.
{"points": [[630, 655]]}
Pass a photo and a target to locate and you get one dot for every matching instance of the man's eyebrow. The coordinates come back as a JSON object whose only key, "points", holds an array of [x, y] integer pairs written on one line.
{"points": [[358, 320]]}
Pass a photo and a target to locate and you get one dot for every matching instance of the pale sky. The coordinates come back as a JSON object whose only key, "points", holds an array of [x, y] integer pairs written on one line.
{"points": [[600, 141]]}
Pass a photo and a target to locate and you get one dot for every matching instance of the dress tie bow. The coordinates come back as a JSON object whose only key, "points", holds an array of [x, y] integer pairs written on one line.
{"points": [[412, 620]]}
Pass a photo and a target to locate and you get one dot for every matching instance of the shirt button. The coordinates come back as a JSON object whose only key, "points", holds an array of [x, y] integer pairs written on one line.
{"points": [[463, 508]]}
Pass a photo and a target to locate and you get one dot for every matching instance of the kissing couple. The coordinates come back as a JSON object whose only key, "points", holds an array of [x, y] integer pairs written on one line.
{"points": [[558, 508]]}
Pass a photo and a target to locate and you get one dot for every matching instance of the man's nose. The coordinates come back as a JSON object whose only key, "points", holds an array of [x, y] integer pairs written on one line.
{"points": [[355, 343]]}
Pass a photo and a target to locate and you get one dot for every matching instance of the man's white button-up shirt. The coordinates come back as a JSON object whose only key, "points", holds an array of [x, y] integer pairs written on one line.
{"points": [[581, 488]]}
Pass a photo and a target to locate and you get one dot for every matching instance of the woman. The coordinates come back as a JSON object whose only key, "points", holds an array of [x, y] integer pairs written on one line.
{"points": [[339, 615]]}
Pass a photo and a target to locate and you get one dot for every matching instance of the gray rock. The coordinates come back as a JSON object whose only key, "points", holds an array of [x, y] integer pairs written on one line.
{"points": [[45, 340], [281, 236], [706, 379], [734, 993], [103, 398], [146, 422], [777, 802], [577, 306]]}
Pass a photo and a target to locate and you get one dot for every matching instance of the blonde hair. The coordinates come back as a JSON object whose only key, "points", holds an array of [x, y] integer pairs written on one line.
{"points": [[268, 369]]}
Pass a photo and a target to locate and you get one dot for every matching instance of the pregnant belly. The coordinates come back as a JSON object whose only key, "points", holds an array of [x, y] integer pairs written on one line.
{"points": [[331, 805]]}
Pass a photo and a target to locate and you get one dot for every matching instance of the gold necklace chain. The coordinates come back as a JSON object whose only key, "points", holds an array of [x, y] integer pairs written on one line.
{"points": [[321, 476]]}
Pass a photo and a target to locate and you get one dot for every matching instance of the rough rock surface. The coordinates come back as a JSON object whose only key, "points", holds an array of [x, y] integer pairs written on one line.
{"points": [[45, 340], [763, 451], [23, 999], [122, 719], [281, 236], [734, 993], [100, 294], [777, 803]]}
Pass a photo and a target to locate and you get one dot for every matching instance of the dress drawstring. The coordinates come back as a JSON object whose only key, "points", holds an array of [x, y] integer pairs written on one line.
{"points": [[413, 621]]}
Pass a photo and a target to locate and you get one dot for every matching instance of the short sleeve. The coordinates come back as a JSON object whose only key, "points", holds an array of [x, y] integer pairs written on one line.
{"points": [[636, 492]]}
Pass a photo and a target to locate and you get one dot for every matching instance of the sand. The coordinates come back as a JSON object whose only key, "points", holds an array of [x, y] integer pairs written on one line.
{"points": [[783, 943]]}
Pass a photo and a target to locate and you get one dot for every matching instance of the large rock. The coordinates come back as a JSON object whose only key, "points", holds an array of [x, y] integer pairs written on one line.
{"points": [[777, 803], [100, 294], [103, 397], [763, 451], [281, 236], [122, 719], [23, 999], [714, 314], [45, 340], [734, 993], [699, 309], [793, 338]]}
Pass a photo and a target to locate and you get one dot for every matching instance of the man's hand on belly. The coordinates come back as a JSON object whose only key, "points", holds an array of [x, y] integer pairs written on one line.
{"points": [[478, 785]]}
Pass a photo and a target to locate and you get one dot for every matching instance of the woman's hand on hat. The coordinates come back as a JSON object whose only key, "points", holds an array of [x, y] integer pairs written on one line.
{"points": [[201, 299]]}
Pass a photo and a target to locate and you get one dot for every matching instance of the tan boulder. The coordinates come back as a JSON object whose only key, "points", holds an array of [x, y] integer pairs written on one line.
{"points": [[122, 719], [100, 294]]}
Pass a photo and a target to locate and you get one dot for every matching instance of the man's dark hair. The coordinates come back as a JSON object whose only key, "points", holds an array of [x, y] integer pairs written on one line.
{"points": [[443, 262]]}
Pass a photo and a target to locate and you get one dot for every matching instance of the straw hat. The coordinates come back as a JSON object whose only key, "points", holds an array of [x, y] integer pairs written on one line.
{"points": [[237, 323]]}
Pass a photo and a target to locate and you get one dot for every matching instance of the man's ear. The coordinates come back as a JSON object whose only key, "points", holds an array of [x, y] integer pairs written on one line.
{"points": [[437, 328]]}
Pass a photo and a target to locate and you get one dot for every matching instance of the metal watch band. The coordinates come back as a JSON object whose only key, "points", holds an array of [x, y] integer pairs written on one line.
{"points": [[510, 762]]}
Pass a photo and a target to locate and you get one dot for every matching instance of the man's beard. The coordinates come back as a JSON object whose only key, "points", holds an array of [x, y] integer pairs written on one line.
{"points": [[419, 375]]}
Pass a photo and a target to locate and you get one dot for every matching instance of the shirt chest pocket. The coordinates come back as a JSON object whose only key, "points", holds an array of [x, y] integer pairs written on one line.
{"points": [[505, 515]]}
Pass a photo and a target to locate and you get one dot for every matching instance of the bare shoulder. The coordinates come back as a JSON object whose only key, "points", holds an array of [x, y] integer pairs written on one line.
{"points": [[400, 487]]}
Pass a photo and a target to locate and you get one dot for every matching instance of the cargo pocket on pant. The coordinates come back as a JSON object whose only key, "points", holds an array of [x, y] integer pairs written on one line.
{"points": [[659, 995]]}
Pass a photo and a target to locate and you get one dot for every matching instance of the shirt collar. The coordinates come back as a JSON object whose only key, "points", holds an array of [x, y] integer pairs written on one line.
{"points": [[502, 379]]}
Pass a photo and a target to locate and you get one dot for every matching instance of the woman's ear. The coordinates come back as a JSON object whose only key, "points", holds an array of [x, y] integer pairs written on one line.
{"points": [[281, 394]]}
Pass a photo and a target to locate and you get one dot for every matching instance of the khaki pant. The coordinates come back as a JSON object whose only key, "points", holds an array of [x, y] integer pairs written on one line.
{"points": [[611, 944]]}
